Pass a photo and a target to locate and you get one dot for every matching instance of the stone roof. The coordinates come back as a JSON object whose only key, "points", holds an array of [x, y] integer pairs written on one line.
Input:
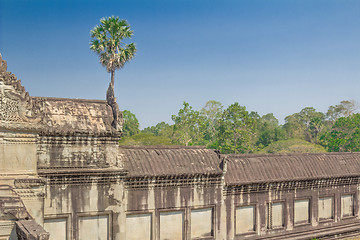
{"points": [[247, 169], [151, 161], [63, 115], [54, 116]]}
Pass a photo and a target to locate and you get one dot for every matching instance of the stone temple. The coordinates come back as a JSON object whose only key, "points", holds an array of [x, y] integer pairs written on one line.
{"points": [[64, 176]]}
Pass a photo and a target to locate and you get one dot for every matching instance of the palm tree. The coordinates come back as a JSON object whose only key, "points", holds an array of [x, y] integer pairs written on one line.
{"points": [[107, 41]]}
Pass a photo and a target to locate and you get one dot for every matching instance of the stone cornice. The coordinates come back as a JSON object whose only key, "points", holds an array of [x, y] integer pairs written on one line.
{"points": [[290, 185], [29, 187], [173, 181], [76, 139], [78, 176]]}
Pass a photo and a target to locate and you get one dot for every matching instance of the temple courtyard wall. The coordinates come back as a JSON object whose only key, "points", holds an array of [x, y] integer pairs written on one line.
{"points": [[63, 176]]}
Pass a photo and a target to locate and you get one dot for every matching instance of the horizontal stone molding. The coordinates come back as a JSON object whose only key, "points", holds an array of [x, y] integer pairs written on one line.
{"points": [[70, 140], [172, 181], [290, 185], [72, 176], [29, 183], [337, 231]]}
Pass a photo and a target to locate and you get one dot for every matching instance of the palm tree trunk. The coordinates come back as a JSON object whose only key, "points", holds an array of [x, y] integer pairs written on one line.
{"points": [[110, 97], [112, 77]]}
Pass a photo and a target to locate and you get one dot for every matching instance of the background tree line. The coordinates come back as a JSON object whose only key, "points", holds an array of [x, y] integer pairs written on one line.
{"points": [[235, 130]]}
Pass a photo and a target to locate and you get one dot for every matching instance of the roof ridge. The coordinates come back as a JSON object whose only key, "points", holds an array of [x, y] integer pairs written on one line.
{"points": [[248, 155], [161, 147], [70, 99]]}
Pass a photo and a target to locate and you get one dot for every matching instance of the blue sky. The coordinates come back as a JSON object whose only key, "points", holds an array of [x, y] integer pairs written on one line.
{"points": [[274, 56]]}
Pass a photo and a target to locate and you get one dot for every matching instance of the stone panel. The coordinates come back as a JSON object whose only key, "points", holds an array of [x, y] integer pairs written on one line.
{"points": [[94, 227], [17, 150], [172, 225], [301, 211], [57, 227], [245, 219], [277, 215], [275, 218], [326, 208], [138, 226], [347, 205], [201, 222]]}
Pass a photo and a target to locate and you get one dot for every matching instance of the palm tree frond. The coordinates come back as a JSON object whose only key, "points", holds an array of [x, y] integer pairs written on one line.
{"points": [[107, 40]]}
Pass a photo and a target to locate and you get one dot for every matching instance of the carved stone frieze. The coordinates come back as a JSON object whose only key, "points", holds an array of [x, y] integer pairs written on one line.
{"points": [[75, 151]]}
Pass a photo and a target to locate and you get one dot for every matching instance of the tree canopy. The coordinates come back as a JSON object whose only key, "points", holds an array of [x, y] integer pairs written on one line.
{"points": [[131, 124], [344, 135], [235, 130], [107, 40]]}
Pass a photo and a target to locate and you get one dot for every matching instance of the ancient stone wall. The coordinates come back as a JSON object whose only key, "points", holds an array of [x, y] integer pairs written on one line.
{"points": [[177, 211], [297, 213], [21, 190], [77, 152], [62, 172], [92, 206]]}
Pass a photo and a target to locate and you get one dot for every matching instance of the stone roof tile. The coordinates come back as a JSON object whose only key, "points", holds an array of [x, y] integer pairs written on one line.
{"points": [[246, 169], [149, 161]]}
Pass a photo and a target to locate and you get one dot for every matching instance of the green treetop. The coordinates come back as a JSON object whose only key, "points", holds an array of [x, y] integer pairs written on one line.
{"points": [[107, 41]]}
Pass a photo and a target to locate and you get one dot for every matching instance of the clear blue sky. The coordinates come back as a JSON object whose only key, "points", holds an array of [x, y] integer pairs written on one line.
{"points": [[270, 56]]}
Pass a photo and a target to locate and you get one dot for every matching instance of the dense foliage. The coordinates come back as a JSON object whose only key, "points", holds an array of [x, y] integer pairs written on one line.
{"points": [[293, 146], [131, 124], [235, 130], [344, 135], [145, 139]]}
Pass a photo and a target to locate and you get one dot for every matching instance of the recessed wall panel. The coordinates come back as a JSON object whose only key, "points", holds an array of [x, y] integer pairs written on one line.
{"points": [[326, 208], [347, 205], [277, 216], [138, 226], [201, 223], [301, 212], [245, 219], [57, 227], [171, 225], [94, 227]]}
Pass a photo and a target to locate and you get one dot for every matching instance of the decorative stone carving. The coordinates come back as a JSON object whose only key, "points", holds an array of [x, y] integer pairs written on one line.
{"points": [[16, 106], [55, 116]]}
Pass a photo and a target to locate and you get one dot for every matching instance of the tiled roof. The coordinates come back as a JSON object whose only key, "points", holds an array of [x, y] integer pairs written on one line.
{"points": [[245, 169], [161, 161]]}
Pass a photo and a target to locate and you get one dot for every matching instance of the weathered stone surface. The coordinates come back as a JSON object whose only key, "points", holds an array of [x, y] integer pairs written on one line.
{"points": [[54, 116], [14, 205], [253, 168], [30, 230], [17, 109], [145, 161]]}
